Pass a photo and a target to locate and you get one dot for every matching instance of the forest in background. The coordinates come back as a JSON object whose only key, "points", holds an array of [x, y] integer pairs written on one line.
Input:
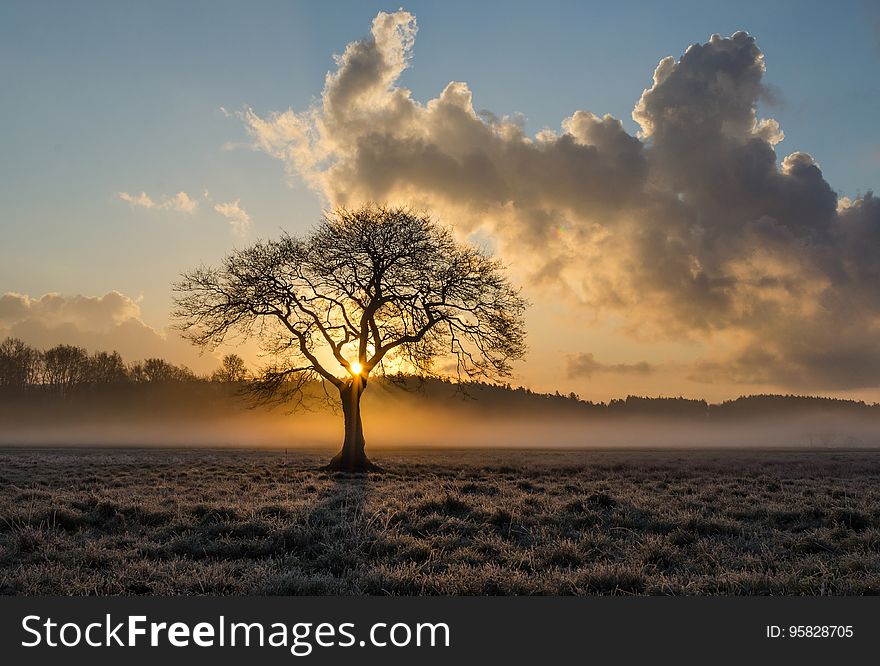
{"points": [[30, 375]]}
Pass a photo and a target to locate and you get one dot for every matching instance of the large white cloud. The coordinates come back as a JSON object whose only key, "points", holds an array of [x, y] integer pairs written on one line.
{"points": [[694, 228]]}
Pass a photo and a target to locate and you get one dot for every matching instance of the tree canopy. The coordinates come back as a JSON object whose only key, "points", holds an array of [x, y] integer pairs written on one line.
{"points": [[368, 286], [364, 290]]}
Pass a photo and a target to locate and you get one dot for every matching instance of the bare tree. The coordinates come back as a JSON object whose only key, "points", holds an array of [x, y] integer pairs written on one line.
{"points": [[65, 366], [159, 371], [104, 368], [232, 370], [369, 289], [19, 364]]}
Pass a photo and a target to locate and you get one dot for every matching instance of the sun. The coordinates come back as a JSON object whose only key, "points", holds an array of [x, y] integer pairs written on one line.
{"points": [[356, 368]]}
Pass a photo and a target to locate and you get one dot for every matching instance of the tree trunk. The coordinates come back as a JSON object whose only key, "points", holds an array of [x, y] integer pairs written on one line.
{"points": [[352, 457]]}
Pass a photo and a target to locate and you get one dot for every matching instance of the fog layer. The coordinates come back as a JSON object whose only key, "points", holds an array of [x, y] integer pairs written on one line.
{"points": [[437, 416]]}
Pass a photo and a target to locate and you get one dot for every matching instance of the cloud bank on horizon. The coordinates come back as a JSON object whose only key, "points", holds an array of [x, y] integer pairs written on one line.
{"points": [[692, 229], [111, 322]]}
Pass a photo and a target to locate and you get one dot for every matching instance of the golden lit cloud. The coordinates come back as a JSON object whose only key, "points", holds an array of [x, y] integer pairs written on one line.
{"points": [[238, 218], [691, 230], [98, 323], [180, 202]]}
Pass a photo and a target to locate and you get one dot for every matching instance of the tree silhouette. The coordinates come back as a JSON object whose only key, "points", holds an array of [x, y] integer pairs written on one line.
{"points": [[104, 368], [64, 366], [369, 289], [158, 370], [20, 364], [232, 370]]}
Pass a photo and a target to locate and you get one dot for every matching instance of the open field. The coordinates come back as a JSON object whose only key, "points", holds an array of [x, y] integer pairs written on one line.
{"points": [[173, 521]]}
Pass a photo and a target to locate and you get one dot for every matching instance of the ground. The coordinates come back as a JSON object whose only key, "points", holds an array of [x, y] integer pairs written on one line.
{"points": [[171, 522]]}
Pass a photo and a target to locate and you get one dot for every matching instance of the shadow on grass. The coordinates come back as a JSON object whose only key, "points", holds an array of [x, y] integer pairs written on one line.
{"points": [[328, 546]]}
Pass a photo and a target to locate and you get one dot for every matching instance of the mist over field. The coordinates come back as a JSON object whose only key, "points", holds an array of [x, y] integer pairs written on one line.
{"points": [[430, 415], [183, 486]]}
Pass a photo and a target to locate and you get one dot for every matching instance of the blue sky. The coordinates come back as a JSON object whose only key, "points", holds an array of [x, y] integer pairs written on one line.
{"points": [[108, 97]]}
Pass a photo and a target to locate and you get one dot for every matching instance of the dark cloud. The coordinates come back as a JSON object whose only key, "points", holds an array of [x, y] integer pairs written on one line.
{"points": [[694, 229], [585, 364]]}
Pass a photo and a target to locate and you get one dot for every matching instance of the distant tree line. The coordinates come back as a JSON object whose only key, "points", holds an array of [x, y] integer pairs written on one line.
{"points": [[64, 368], [507, 397], [67, 368]]}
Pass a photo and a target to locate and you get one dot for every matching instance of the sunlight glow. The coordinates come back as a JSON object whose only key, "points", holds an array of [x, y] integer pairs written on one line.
{"points": [[356, 368]]}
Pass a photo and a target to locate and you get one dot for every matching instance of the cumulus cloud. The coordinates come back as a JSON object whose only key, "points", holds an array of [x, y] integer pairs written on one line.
{"points": [[180, 202], [238, 217], [98, 323], [92, 313], [143, 199], [694, 228], [585, 364]]}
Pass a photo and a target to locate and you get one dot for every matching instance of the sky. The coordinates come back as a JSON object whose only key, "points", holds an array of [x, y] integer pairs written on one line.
{"points": [[678, 246]]}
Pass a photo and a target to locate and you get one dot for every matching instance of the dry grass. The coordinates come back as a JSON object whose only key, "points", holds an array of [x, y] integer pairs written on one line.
{"points": [[76, 522]]}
